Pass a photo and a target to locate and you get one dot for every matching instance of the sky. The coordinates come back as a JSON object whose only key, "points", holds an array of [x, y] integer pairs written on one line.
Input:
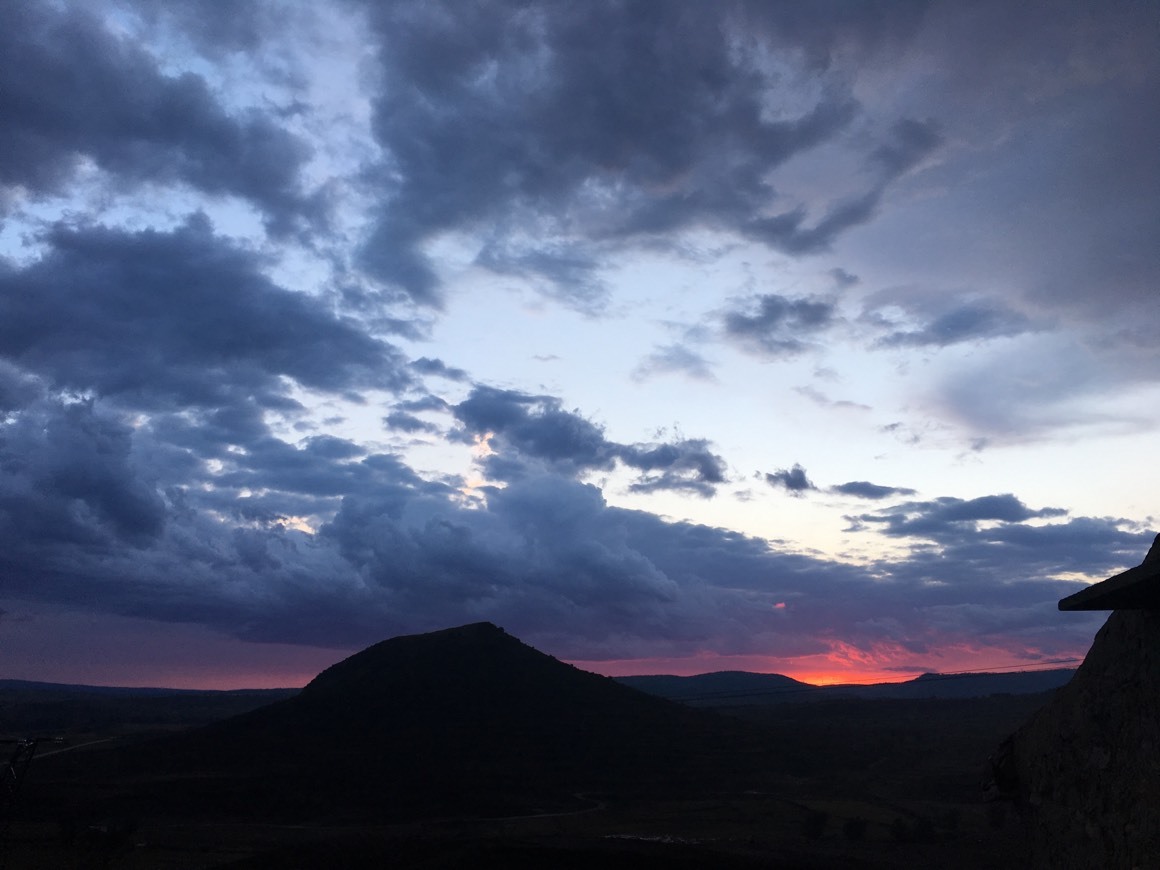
{"points": [[811, 338]]}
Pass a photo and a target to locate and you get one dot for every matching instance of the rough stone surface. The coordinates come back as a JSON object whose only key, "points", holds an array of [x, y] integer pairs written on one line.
{"points": [[1085, 770]]}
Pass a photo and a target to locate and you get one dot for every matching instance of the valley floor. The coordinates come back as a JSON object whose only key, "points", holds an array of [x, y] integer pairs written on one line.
{"points": [[856, 784], [724, 831]]}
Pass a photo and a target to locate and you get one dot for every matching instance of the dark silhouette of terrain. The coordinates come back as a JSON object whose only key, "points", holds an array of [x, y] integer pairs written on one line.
{"points": [[70, 710], [726, 689], [1084, 769], [707, 690], [462, 721], [37, 687], [468, 748]]}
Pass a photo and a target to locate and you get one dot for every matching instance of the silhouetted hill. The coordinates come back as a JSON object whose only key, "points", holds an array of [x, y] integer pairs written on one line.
{"points": [[980, 685], [466, 720], [475, 681], [705, 690], [467, 748], [729, 689]]}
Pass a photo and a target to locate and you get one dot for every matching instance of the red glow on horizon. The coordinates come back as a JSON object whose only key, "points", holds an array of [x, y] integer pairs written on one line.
{"points": [[206, 677], [844, 664], [45, 645], [102, 650]]}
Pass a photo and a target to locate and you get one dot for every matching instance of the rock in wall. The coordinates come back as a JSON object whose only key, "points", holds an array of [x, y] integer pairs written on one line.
{"points": [[1085, 770]]}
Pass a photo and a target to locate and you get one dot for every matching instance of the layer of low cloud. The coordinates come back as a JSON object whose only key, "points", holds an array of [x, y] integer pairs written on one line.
{"points": [[526, 433], [116, 518], [936, 519]]}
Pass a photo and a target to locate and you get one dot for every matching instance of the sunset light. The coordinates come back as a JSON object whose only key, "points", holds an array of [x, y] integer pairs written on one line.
{"points": [[811, 338]]}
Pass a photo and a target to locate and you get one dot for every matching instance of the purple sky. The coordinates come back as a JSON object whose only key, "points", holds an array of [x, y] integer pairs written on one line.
{"points": [[809, 337]]}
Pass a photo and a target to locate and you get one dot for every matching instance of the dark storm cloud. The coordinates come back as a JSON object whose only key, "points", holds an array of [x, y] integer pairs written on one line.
{"points": [[67, 477], [181, 318], [776, 325], [438, 368], [409, 423], [1058, 99], [973, 321], [524, 427], [568, 130], [688, 464], [545, 550], [793, 480], [911, 142], [549, 559], [71, 90], [211, 432], [317, 468], [423, 403], [567, 272], [17, 388], [244, 29], [239, 469], [103, 514], [954, 516], [126, 519], [536, 426], [978, 563], [330, 447], [788, 232], [873, 491]]}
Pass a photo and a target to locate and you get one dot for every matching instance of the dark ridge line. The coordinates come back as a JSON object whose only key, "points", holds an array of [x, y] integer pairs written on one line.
{"points": [[935, 678]]}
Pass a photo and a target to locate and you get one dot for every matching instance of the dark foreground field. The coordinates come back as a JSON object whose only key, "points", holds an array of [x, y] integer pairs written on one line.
{"points": [[475, 751], [855, 784]]}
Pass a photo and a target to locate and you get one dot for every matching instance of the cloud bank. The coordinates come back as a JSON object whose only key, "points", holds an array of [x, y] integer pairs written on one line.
{"points": [[226, 237]]}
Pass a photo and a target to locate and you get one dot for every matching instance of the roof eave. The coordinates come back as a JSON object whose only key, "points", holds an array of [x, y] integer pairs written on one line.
{"points": [[1135, 589]]}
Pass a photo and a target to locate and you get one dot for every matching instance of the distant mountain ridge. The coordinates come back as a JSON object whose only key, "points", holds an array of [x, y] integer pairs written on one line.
{"points": [[697, 688], [713, 685], [133, 691], [28, 707], [746, 689]]}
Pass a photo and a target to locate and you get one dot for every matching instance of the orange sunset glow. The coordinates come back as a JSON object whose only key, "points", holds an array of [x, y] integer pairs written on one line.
{"points": [[843, 665]]}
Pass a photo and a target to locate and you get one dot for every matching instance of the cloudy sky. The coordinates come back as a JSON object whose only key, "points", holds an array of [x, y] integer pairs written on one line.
{"points": [[817, 338]]}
